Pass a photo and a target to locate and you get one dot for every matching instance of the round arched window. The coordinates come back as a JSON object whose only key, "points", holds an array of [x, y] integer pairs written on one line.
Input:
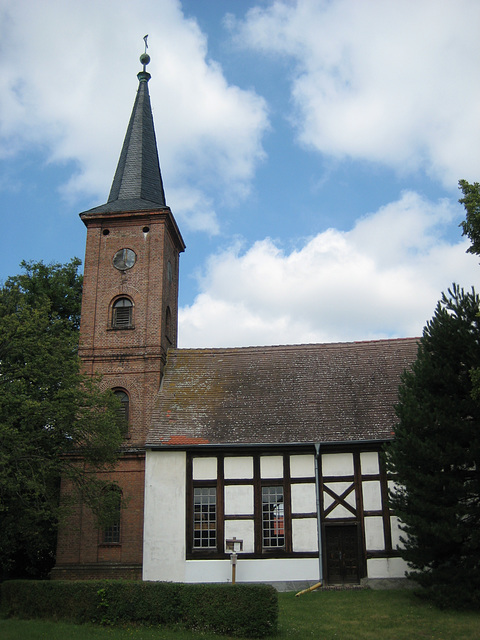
{"points": [[122, 314], [124, 409]]}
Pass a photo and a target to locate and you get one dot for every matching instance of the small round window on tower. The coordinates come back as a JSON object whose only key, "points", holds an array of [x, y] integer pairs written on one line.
{"points": [[124, 259], [146, 229], [106, 232]]}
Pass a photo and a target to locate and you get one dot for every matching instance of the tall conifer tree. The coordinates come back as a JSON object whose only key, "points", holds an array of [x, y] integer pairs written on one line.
{"points": [[436, 455]]}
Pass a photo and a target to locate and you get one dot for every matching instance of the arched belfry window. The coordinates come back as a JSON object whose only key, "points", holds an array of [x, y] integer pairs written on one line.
{"points": [[124, 409], [122, 314]]}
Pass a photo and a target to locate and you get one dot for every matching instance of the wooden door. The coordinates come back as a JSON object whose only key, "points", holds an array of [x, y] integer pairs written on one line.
{"points": [[342, 554]]}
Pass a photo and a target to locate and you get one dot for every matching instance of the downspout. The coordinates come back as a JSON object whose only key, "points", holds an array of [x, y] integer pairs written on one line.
{"points": [[319, 524]]}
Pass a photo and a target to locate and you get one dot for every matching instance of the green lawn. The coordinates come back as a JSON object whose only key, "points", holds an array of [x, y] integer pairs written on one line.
{"points": [[324, 615]]}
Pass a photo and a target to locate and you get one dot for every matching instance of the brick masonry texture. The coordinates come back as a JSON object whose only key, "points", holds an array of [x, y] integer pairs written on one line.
{"points": [[79, 540], [132, 359]]}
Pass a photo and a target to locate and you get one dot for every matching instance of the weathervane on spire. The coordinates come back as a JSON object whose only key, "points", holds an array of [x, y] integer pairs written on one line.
{"points": [[144, 76]]}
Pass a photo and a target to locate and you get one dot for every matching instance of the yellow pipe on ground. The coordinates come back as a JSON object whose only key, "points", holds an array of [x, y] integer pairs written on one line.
{"points": [[312, 588]]}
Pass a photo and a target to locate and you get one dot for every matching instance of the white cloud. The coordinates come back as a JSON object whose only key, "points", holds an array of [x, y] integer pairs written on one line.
{"points": [[195, 209], [390, 82], [67, 84], [380, 279]]}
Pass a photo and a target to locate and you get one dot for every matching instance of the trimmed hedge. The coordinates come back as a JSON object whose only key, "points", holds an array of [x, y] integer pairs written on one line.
{"points": [[239, 610]]}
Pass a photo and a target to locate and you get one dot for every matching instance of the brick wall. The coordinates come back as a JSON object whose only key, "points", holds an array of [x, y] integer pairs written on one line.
{"points": [[131, 359], [80, 547]]}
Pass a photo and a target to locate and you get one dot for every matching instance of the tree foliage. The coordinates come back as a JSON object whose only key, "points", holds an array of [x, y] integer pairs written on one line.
{"points": [[49, 413], [471, 224], [436, 455]]}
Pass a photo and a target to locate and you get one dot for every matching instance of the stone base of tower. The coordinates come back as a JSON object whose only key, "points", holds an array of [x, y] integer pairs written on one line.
{"points": [[83, 550]]}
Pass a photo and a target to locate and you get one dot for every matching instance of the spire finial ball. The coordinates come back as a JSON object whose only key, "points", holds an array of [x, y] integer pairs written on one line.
{"points": [[144, 58]]}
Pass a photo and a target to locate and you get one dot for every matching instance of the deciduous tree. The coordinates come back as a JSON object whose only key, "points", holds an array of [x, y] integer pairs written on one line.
{"points": [[49, 413], [471, 224]]}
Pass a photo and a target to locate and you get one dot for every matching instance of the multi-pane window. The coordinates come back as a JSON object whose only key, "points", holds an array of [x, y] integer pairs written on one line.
{"points": [[273, 529], [204, 518], [111, 533], [122, 314]]}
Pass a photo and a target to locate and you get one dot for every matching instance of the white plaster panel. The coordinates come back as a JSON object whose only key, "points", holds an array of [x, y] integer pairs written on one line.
{"points": [[261, 570], [304, 534], [304, 498], [396, 533], [340, 512], [327, 500], [208, 571], [374, 537], [386, 568], [204, 468], [337, 464], [271, 466], [239, 500], [369, 463], [164, 521], [238, 467], [351, 499], [241, 530], [372, 497], [302, 466], [338, 488]]}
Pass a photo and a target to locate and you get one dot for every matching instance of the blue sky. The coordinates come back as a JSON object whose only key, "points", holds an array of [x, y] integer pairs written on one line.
{"points": [[310, 152]]}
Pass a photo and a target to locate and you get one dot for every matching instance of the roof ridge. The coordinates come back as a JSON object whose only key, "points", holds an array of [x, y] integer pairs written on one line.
{"points": [[291, 347]]}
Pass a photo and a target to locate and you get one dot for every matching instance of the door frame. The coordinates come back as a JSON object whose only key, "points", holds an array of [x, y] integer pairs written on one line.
{"points": [[355, 528]]}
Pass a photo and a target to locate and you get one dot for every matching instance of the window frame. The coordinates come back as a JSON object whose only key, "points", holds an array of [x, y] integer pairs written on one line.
{"points": [[124, 413], [110, 535], [275, 522], [117, 323], [208, 492]]}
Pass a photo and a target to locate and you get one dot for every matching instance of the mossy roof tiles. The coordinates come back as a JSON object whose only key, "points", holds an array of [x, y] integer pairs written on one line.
{"points": [[278, 395]]}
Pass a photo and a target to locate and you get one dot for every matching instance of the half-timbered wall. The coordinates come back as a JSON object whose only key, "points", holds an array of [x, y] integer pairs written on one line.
{"points": [[244, 485], [197, 503], [359, 534]]}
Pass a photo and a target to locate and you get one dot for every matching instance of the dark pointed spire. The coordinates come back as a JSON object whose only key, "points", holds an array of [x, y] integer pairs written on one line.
{"points": [[137, 184]]}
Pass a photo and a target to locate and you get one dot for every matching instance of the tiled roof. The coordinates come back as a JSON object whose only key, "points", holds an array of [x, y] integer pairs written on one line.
{"points": [[137, 185], [277, 395]]}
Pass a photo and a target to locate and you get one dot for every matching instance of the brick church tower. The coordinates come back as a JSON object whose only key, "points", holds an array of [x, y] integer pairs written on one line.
{"points": [[128, 322]]}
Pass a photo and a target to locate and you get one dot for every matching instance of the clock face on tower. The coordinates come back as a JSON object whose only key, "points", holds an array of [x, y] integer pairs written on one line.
{"points": [[124, 259]]}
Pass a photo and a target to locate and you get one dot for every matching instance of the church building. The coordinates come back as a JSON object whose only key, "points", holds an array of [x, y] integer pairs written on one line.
{"points": [[272, 454]]}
